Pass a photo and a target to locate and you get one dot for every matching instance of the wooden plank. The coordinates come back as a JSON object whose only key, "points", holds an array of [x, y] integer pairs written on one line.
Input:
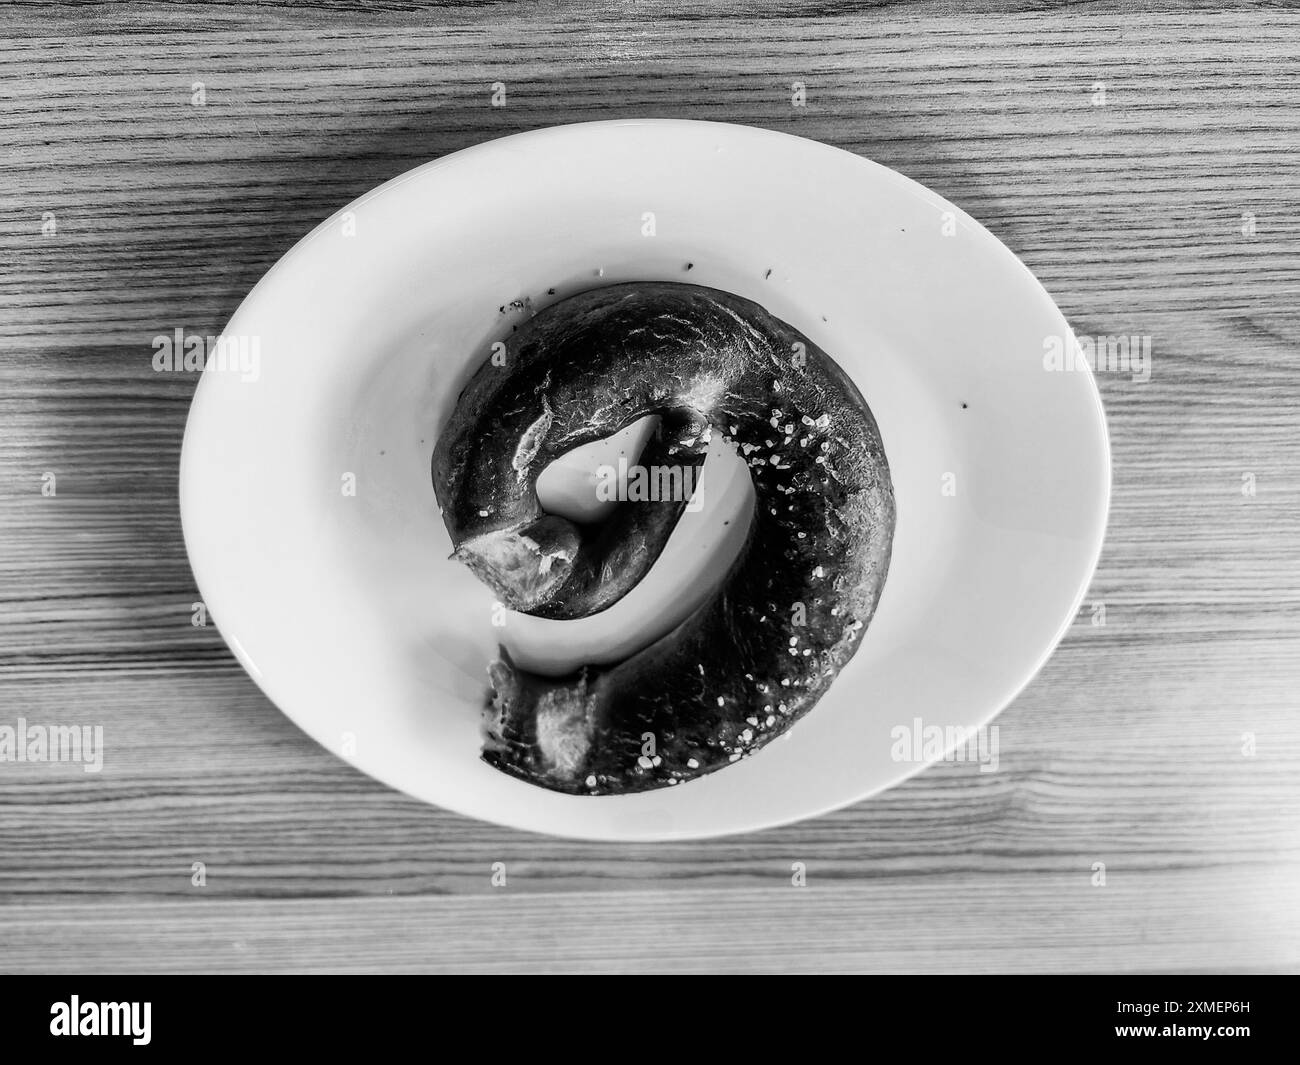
{"points": [[998, 923]]}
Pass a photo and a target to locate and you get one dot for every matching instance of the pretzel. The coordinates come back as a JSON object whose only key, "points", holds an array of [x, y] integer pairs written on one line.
{"points": [[786, 617]]}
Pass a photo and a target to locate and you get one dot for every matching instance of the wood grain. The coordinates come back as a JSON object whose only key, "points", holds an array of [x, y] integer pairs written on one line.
{"points": [[1128, 747], [961, 923]]}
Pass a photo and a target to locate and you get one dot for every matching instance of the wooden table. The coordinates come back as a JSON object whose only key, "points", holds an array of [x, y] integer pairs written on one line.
{"points": [[1145, 166]]}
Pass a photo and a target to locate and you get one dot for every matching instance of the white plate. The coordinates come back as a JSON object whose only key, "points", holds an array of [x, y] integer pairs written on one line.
{"points": [[345, 608]]}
